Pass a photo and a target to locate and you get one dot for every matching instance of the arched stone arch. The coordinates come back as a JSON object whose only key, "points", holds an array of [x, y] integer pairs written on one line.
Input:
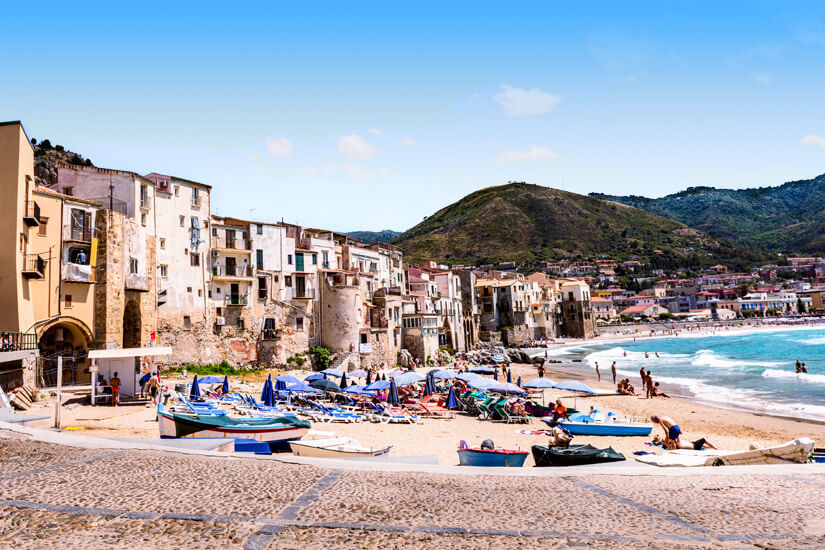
{"points": [[132, 325]]}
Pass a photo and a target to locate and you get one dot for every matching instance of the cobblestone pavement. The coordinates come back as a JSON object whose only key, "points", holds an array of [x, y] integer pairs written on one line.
{"points": [[60, 497]]}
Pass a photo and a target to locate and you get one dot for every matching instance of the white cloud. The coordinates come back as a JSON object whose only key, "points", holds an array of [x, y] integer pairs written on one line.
{"points": [[816, 141], [375, 131], [279, 147], [765, 79], [407, 142], [519, 102], [356, 148], [534, 153], [473, 98]]}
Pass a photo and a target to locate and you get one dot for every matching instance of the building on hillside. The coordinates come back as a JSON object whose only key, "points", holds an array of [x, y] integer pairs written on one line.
{"points": [[578, 319], [650, 311], [603, 308]]}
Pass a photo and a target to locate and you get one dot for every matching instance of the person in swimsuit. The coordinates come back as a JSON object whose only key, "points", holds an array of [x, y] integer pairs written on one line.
{"points": [[115, 383], [671, 429], [598, 374], [613, 370]]}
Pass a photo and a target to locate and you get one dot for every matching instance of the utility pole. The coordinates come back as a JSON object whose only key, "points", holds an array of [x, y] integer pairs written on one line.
{"points": [[59, 383]]}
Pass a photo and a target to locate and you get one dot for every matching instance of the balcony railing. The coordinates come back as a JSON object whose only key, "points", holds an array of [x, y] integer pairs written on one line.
{"points": [[17, 341], [76, 233], [305, 294], [31, 214], [224, 270], [231, 244], [235, 300], [34, 266], [270, 333]]}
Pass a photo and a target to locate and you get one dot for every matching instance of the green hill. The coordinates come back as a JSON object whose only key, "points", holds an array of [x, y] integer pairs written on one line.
{"points": [[369, 237], [787, 218], [527, 223]]}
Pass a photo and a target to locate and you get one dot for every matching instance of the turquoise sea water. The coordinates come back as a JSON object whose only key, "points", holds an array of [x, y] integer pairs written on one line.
{"points": [[751, 370]]}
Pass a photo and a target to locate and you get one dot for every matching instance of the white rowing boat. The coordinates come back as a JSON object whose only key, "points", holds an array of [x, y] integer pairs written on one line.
{"points": [[336, 447]]}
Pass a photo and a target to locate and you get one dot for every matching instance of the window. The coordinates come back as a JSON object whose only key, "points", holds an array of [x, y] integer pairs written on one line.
{"points": [[363, 338], [288, 280], [275, 278], [289, 259], [315, 259], [196, 200], [260, 229], [185, 251], [189, 289], [42, 229], [299, 324], [187, 322], [177, 190], [67, 300], [200, 293], [144, 199], [262, 288], [163, 244], [240, 323], [325, 259], [182, 220], [194, 259], [68, 191], [259, 259], [133, 266], [143, 220], [164, 270]]}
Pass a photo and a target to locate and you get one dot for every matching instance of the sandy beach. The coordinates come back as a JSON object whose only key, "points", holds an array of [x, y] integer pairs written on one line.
{"points": [[726, 429]]}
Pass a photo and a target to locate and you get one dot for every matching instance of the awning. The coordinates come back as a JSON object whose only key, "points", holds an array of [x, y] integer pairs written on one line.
{"points": [[128, 352]]}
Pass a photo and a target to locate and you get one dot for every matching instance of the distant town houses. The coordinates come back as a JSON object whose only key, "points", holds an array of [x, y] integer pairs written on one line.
{"points": [[111, 259]]}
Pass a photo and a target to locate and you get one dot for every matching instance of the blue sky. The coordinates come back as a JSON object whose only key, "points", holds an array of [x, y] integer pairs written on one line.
{"points": [[363, 115]]}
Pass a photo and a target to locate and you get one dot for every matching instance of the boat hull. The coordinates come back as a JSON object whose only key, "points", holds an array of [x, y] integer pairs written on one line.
{"points": [[278, 430], [575, 455], [605, 428], [311, 449], [496, 458]]}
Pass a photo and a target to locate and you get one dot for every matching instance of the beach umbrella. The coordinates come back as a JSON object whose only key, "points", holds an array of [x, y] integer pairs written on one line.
{"points": [[480, 383], [467, 376], [300, 386], [377, 385], [394, 373], [431, 382], [480, 369], [280, 385], [427, 387], [369, 378], [288, 379], [210, 380], [392, 398], [452, 400], [325, 385], [495, 375], [383, 377], [316, 376], [332, 372], [267, 388], [407, 378], [509, 376], [270, 394], [195, 392], [343, 380], [498, 358], [225, 387], [443, 374], [504, 387], [576, 386], [539, 383], [358, 373], [518, 382]]}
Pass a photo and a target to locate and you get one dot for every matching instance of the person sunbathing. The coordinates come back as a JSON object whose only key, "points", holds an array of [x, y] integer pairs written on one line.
{"points": [[517, 408], [654, 391]]}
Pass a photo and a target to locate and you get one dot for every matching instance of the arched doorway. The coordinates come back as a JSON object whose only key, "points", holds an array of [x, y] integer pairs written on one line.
{"points": [[131, 325], [70, 339]]}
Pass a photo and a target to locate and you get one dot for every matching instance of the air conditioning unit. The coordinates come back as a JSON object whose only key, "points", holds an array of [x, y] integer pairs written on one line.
{"points": [[220, 321]]}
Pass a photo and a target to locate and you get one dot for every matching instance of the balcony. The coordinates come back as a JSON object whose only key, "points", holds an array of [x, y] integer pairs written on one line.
{"points": [[77, 233], [241, 245], [235, 300], [270, 333], [17, 341], [137, 282], [34, 266], [231, 271], [76, 273], [304, 294], [31, 214]]}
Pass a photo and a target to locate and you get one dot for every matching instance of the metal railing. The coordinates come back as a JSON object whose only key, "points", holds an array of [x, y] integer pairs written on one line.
{"points": [[305, 294], [231, 244], [33, 266], [228, 270], [31, 213], [113, 204], [270, 333], [235, 300], [75, 233], [17, 341]]}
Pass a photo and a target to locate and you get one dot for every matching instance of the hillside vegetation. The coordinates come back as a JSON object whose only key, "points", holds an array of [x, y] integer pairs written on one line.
{"points": [[787, 218], [526, 223]]}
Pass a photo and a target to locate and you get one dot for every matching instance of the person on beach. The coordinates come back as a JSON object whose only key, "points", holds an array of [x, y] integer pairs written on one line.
{"points": [[673, 434], [541, 371], [153, 388], [598, 374], [654, 391], [648, 384], [115, 383], [559, 411], [642, 376], [613, 370]]}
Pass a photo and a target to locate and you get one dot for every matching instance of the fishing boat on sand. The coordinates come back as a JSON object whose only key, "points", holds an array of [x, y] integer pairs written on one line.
{"points": [[574, 455], [275, 431], [336, 447], [490, 457], [582, 424]]}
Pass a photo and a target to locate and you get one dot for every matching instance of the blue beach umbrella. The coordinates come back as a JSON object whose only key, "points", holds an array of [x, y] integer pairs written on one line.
{"points": [[195, 392], [483, 370], [504, 387], [509, 376], [392, 398], [288, 379], [300, 386], [369, 379], [495, 375], [452, 400], [280, 385], [539, 383], [332, 372], [266, 390], [225, 387], [518, 382], [316, 376], [358, 373], [467, 376], [444, 374], [210, 380], [480, 383], [576, 386], [407, 378], [427, 385], [377, 385], [343, 383]]}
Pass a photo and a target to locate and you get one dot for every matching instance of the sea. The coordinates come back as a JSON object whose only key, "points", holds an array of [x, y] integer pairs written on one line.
{"points": [[738, 369]]}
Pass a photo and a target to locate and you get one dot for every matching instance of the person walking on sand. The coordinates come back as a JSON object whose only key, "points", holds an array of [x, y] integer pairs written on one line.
{"points": [[648, 385], [613, 370], [643, 377], [153, 388], [115, 383], [598, 374]]}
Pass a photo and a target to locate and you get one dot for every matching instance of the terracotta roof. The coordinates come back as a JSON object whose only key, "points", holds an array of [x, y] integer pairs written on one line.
{"points": [[52, 192], [637, 309]]}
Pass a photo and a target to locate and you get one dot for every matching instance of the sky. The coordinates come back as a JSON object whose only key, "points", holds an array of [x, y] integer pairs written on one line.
{"points": [[372, 115]]}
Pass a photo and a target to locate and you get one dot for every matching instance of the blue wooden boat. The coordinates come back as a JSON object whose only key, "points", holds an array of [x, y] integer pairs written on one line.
{"points": [[593, 427], [491, 457]]}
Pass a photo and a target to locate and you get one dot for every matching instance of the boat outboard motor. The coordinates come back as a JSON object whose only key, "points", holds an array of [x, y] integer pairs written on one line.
{"points": [[488, 444]]}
